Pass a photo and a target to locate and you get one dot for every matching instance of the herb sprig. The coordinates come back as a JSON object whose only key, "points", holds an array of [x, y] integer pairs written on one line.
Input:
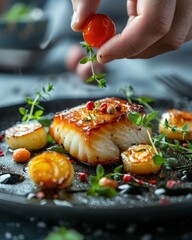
{"points": [[99, 78], [160, 141], [146, 121], [129, 91], [31, 114], [96, 189]]}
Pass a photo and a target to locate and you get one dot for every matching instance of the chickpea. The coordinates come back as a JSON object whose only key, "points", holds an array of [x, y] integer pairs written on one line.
{"points": [[107, 182], [21, 155]]}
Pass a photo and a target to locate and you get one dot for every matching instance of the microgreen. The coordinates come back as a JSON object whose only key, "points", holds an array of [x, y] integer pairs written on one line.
{"points": [[31, 114], [64, 234], [184, 129], [96, 189], [99, 78], [129, 91]]}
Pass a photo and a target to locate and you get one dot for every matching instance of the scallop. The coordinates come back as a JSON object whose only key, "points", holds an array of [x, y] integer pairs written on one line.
{"points": [[138, 159], [32, 136]]}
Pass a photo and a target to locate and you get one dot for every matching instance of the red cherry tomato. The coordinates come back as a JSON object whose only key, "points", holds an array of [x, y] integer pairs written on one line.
{"points": [[98, 29]]}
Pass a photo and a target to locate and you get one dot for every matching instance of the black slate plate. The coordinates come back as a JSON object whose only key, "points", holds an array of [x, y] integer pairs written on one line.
{"points": [[18, 198]]}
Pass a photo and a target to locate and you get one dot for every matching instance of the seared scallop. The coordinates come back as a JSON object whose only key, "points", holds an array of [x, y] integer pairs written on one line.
{"points": [[97, 132], [138, 159], [31, 136], [176, 120]]}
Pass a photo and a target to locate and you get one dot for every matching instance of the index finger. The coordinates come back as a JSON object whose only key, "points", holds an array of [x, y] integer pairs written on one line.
{"points": [[153, 21], [82, 9]]}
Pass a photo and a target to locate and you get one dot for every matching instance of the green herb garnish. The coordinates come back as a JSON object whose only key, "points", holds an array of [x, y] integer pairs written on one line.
{"points": [[65, 234], [31, 114], [96, 189], [99, 78], [129, 91]]}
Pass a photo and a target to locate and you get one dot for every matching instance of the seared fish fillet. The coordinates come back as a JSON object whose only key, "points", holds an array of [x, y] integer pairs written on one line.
{"points": [[99, 135]]}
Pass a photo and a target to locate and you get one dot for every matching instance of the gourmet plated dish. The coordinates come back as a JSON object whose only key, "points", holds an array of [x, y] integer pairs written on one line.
{"points": [[98, 153]]}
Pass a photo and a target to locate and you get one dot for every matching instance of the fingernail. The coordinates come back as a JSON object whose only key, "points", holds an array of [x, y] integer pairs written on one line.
{"points": [[75, 18]]}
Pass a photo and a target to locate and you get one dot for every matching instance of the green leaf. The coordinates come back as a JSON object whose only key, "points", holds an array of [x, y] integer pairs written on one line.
{"points": [[106, 191], [158, 159], [64, 234], [22, 111], [94, 181], [29, 100], [100, 171], [128, 92], [38, 114], [84, 60], [152, 116], [57, 148], [100, 76], [90, 79], [119, 169], [46, 122], [93, 58], [135, 118], [145, 100], [102, 83]]}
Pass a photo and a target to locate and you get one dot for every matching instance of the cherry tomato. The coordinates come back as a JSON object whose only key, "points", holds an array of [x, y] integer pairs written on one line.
{"points": [[98, 29]]}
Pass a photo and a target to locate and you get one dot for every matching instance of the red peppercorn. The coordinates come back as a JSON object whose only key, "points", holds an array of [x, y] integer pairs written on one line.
{"points": [[103, 105], [90, 105], [140, 181], [118, 108], [164, 200], [1, 137], [83, 177], [104, 109], [128, 178], [1, 153], [153, 181]]}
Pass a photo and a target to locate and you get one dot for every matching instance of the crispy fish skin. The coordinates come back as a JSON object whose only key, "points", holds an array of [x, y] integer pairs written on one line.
{"points": [[97, 137]]}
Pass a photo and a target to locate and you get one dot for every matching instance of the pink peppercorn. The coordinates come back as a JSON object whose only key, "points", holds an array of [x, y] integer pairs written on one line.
{"points": [[153, 181], [83, 177], [90, 105], [170, 183], [40, 195], [103, 107], [184, 145], [128, 178]]}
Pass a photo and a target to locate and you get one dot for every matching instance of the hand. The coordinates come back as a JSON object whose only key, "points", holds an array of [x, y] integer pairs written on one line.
{"points": [[154, 27]]}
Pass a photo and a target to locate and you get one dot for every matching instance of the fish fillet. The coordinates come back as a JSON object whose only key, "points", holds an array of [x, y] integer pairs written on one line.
{"points": [[97, 136]]}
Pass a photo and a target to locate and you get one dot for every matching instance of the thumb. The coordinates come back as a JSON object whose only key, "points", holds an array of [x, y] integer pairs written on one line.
{"points": [[82, 9]]}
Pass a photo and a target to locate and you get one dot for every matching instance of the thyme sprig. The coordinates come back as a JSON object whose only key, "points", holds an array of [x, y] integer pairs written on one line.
{"points": [[31, 114], [129, 92], [99, 78], [184, 129], [146, 121]]}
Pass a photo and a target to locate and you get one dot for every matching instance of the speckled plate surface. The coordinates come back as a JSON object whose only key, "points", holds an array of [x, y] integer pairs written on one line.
{"points": [[138, 203]]}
